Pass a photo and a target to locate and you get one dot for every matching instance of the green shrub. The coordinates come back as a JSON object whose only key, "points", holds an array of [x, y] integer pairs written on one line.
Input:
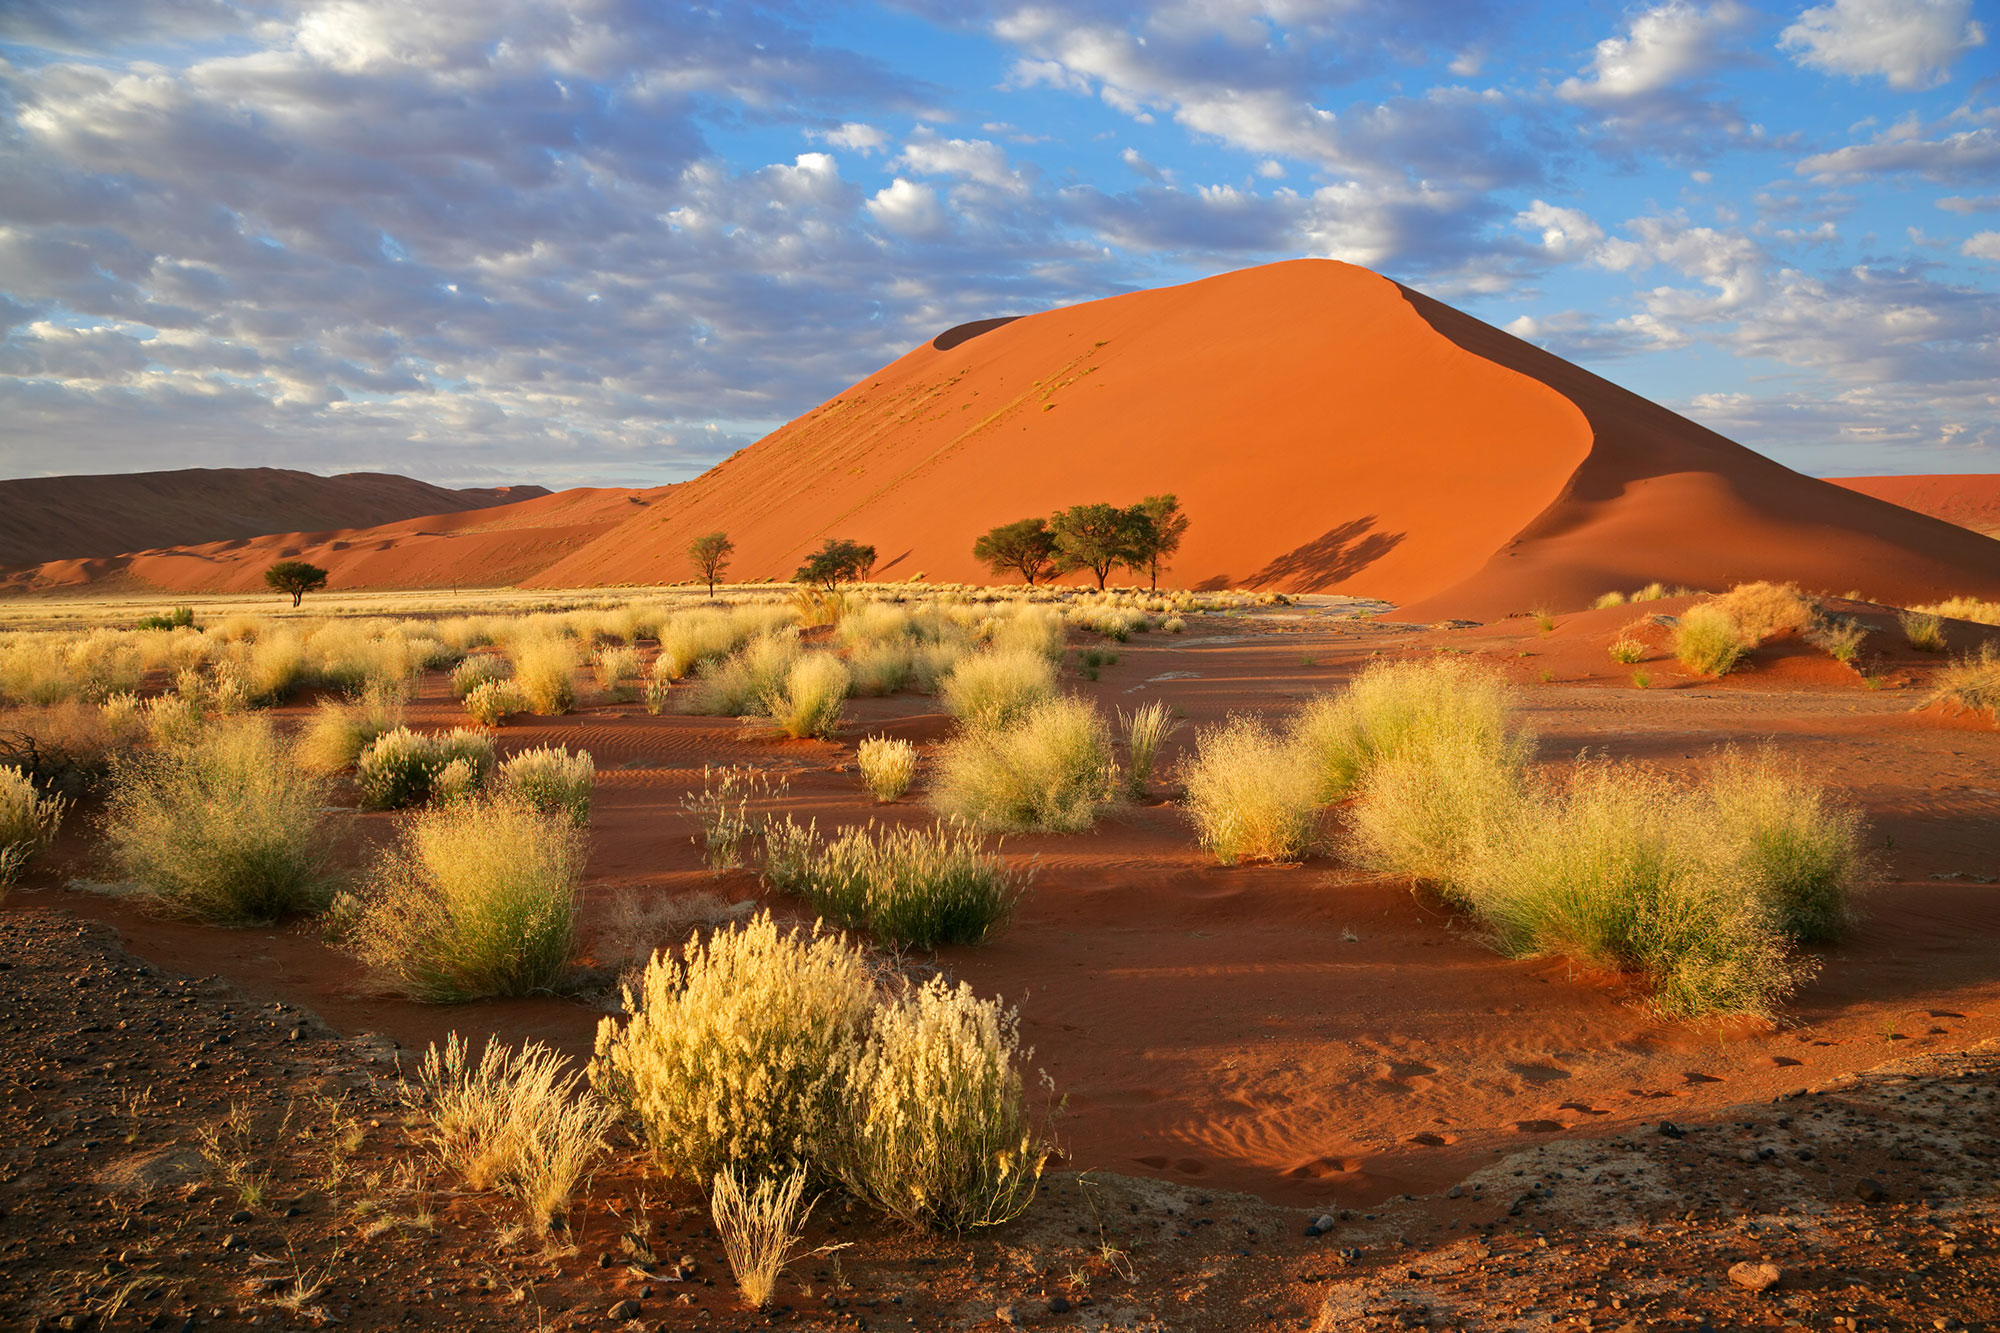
{"points": [[1838, 638], [224, 827], [1252, 794], [476, 898], [693, 637], [551, 779], [1627, 649], [614, 665], [473, 672], [1923, 631], [1787, 837], [887, 766], [1708, 641], [1392, 706], [402, 767], [740, 1052], [490, 702], [941, 1135], [340, 732], [812, 698], [909, 888], [1429, 809], [997, 689], [1052, 771]]}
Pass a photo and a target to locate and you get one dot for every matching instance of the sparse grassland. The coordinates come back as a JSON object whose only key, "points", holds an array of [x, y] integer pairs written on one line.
{"points": [[997, 689], [908, 888], [1964, 608], [340, 732], [811, 699], [403, 768], [1970, 683], [726, 811], [1051, 771], [1708, 641], [28, 823], [1392, 706], [737, 686], [760, 1225], [476, 898]]}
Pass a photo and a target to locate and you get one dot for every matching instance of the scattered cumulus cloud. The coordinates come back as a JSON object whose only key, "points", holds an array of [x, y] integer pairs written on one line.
{"points": [[1909, 43]]}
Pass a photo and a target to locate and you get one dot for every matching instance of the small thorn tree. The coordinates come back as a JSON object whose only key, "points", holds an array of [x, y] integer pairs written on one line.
{"points": [[834, 563], [710, 553], [1168, 525], [295, 577], [1025, 545], [1098, 537]]}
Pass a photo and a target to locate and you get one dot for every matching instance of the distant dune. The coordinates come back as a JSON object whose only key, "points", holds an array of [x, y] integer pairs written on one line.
{"points": [[64, 518], [1325, 429], [1971, 500]]}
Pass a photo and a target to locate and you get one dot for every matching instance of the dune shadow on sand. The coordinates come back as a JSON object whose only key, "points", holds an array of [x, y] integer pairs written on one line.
{"points": [[1338, 553]]}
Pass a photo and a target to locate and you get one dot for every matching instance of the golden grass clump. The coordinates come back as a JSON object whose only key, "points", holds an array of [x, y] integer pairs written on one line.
{"points": [[1394, 705], [760, 1227], [942, 1137], [401, 767], [811, 699], [545, 674], [551, 779], [28, 823], [724, 810], [1970, 683], [998, 688], [1052, 771], [887, 766], [476, 898], [738, 685], [480, 669], [1964, 608], [67, 748], [224, 828], [491, 702], [1428, 809], [739, 1053], [1608, 600], [613, 666], [908, 888], [1763, 609], [1708, 641], [1146, 730], [1798, 848], [340, 732], [1923, 631], [1253, 794], [518, 1122], [693, 637]]}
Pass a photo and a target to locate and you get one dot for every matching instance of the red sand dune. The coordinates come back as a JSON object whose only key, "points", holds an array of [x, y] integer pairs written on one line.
{"points": [[1971, 500], [470, 548], [1325, 428], [64, 518]]}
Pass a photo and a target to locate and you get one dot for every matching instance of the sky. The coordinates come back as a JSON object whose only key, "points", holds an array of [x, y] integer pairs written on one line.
{"points": [[609, 242]]}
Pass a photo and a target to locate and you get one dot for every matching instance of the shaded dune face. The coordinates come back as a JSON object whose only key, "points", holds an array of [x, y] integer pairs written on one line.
{"points": [[1971, 501]]}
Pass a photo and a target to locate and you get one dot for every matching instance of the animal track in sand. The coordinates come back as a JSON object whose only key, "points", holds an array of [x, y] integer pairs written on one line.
{"points": [[1585, 1107], [1694, 1076], [1539, 1126]]}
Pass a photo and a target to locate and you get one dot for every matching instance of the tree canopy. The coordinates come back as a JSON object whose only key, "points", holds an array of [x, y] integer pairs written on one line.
{"points": [[295, 577], [1169, 525], [1026, 546], [834, 563], [710, 553], [1098, 537]]}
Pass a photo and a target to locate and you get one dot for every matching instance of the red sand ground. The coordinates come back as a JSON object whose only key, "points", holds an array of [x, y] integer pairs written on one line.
{"points": [[1310, 1034], [1971, 500], [1325, 429], [64, 518]]}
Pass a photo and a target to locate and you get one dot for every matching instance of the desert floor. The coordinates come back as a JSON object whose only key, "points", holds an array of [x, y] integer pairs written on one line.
{"points": [[1502, 1143]]}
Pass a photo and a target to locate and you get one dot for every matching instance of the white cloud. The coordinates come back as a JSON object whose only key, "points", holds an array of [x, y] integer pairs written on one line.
{"points": [[1911, 43], [1664, 46], [854, 136], [978, 160], [908, 209], [1961, 156], [1958, 203], [1982, 245], [1566, 232]]}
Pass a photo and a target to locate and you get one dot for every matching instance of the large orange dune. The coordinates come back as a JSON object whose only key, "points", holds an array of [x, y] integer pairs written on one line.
{"points": [[1325, 429], [63, 518], [1971, 500]]}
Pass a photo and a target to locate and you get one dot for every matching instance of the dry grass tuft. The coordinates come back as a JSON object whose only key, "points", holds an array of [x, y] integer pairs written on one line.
{"points": [[1253, 794], [760, 1228], [551, 779], [1923, 631], [1970, 683], [1965, 608], [545, 674], [1149, 727], [1708, 641], [908, 888], [28, 823], [1052, 771], [403, 767], [724, 810], [812, 699], [887, 766], [997, 689], [1394, 705]]}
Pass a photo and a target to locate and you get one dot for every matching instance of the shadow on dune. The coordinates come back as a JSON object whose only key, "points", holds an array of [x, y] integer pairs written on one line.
{"points": [[965, 333], [1338, 553]]}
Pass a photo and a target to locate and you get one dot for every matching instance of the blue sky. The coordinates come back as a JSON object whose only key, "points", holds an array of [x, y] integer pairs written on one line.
{"points": [[609, 242]]}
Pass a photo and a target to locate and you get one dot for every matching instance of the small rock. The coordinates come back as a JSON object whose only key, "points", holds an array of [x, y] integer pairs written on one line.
{"points": [[1869, 1192], [1455, 1192], [232, 1241], [1747, 1155], [604, 1259], [1058, 1305], [1324, 1222], [1005, 1314], [1670, 1130], [1754, 1277], [623, 1310], [640, 1251], [240, 1215], [686, 1268]]}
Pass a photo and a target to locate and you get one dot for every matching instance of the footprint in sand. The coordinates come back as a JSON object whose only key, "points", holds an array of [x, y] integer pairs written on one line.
{"points": [[1584, 1107], [1785, 1061], [1401, 1078]]}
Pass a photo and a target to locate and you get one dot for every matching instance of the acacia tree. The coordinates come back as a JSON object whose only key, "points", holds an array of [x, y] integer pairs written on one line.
{"points": [[1025, 545], [1098, 536], [295, 577], [834, 563], [1168, 526], [710, 553]]}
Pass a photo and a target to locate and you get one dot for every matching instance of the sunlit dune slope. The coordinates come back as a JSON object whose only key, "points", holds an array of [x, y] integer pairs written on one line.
{"points": [[64, 518]]}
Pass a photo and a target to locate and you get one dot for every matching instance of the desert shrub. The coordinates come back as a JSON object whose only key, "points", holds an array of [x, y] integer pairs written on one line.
{"points": [[552, 779], [1252, 794], [1707, 640], [1965, 608], [760, 1226], [812, 698], [28, 823], [723, 809], [1394, 705], [942, 1137], [887, 766], [880, 668], [1149, 727], [909, 888], [173, 720], [66, 749], [491, 701], [739, 1053], [1611, 870], [545, 674], [275, 666], [1762, 609], [1627, 649], [1923, 631], [693, 637], [476, 898], [518, 1122], [1785, 836], [1838, 638], [1608, 600], [737, 686], [224, 827], [1034, 629], [473, 672], [1431, 807], [1174, 625], [340, 732], [402, 767], [612, 666], [1970, 683], [1652, 592], [997, 689], [1051, 771]]}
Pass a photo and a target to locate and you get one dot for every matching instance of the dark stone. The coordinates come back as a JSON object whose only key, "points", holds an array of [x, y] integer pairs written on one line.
{"points": [[623, 1310], [1869, 1192], [1669, 1129], [1058, 1305]]}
